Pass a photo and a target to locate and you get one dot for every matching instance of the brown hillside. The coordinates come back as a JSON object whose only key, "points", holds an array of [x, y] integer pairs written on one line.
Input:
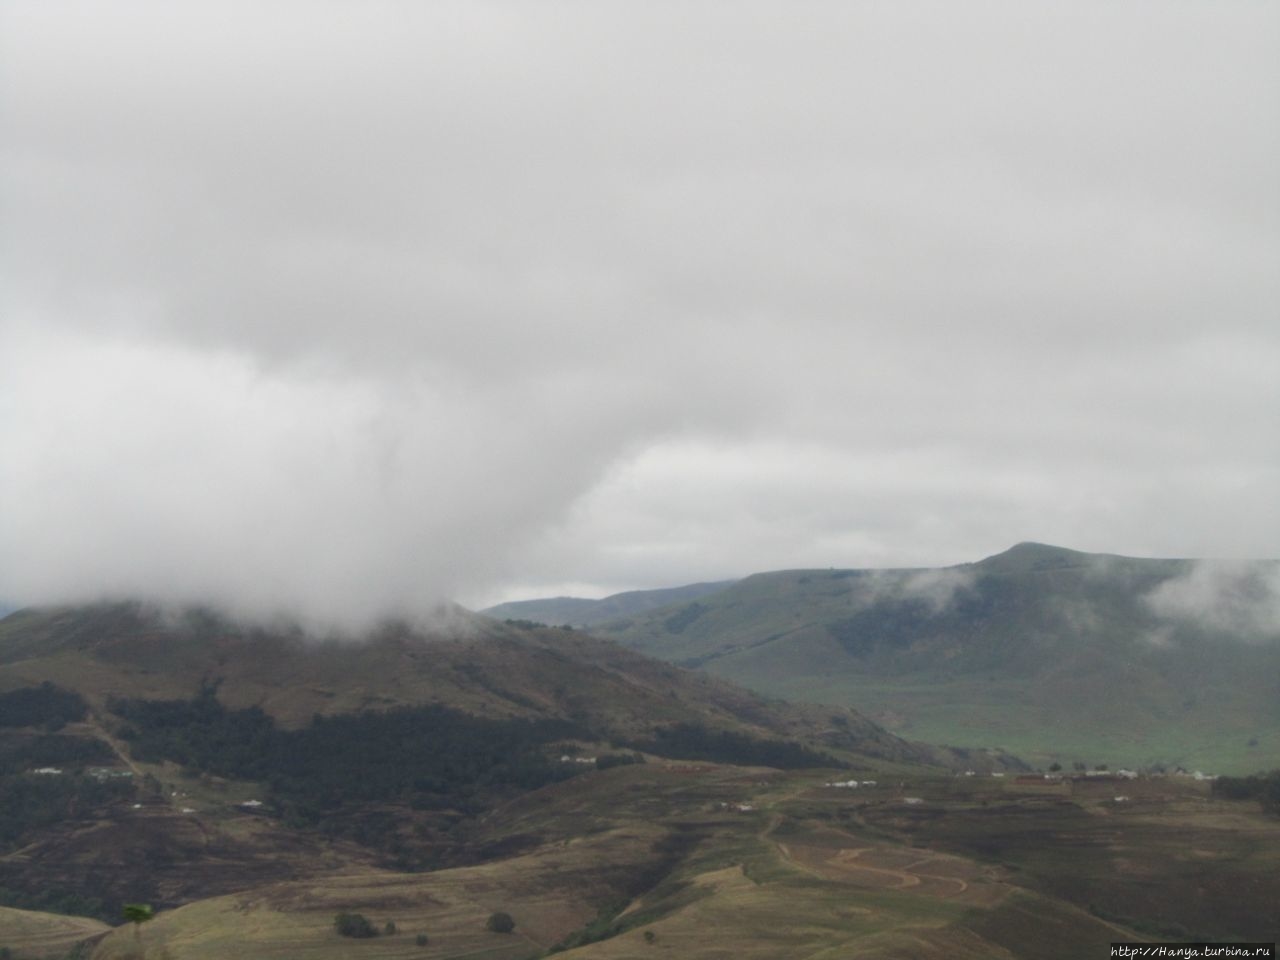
{"points": [[461, 660]]}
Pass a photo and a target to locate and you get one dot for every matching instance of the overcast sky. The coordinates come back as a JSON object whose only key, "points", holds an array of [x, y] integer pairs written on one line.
{"points": [[347, 307]]}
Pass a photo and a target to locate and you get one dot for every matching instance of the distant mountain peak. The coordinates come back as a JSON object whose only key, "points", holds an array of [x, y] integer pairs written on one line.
{"points": [[1029, 555]]}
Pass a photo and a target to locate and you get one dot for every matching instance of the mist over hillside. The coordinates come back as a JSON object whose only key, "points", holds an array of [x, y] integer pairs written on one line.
{"points": [[458, 661], [1056, 653]]}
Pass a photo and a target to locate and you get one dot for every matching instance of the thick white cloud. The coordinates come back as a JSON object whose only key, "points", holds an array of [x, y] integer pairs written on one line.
{"points": [[1227, 597], [347, 307]]}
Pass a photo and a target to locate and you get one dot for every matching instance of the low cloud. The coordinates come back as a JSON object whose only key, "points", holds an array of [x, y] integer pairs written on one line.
{"points": [[1230, 598], [1080, 616], [936, 588], [347, 308], [173, 475]]}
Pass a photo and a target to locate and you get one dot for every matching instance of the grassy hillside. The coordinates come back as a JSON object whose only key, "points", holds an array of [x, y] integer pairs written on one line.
{"points": [[463, 661], [1050, 653], [585, 613], [31, 934]]}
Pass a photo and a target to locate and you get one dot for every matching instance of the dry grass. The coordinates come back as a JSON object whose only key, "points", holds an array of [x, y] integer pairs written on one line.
{"points": [[549, 893], [31, 934]]}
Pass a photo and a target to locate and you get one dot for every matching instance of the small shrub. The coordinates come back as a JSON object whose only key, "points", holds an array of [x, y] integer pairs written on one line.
{"points": [[650, 936], [421, 939], [389, 928], [137, 913], [500, 922], [354, 925]]}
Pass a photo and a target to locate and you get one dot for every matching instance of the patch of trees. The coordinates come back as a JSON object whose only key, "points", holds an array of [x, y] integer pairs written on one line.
{"points": [[431, 756], [608, 760], [354, 925], [20, 753], [691, 741], [359, 927], [200, 733], [1263, 787], [32, 802], [603, 927], [43, 706]]}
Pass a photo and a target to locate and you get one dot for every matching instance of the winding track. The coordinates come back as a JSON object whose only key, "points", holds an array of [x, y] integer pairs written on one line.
{"points": [[842, 860]]}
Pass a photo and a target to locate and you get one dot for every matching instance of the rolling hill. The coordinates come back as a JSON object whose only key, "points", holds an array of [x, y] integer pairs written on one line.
{"points": [[1053, 654], [459, 661]]}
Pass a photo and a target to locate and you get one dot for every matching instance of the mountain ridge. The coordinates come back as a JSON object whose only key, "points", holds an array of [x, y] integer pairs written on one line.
{"points": [[581, 612], [1053, 653], [465, 662]]}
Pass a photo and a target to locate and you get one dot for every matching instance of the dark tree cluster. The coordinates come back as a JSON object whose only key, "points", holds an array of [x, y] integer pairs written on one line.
{"points": [[200, 733], [354, 925], [42, 706], [21, 752], [1263, 787], [689, 741], [431, 756], [608, 760], [603, 927]]}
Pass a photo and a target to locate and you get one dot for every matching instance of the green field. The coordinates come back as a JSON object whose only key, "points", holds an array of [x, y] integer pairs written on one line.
{"points": [[1045, 730]]}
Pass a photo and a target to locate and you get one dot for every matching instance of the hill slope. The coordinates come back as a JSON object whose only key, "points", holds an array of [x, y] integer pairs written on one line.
{"points": [[578, 612], [462, 662], [1051, 653]]}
